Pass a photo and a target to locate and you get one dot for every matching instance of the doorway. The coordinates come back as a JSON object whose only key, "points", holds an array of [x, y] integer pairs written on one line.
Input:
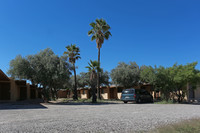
{"points": [[4, 91], [23, 93]]}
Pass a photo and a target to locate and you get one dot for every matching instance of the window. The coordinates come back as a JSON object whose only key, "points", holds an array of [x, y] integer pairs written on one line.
{"points": [[83, 91], [131, 91]]}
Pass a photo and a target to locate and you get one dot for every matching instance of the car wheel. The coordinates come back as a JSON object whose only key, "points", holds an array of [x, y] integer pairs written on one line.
{"points": [[125, 102]]}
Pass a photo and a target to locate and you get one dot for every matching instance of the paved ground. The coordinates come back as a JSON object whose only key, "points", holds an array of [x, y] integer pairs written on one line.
{"points": [[91, 118]]}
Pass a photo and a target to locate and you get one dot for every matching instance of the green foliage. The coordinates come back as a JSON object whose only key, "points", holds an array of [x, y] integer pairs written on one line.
{"points": [[164, 82], [100, 31], [171, 81], [126, 75], [93, 66], [20, 68], [72, 53], [164, 102], [187, 126], [104, 78], [93, 69], [181, 75], [44, 68], [83, 79], [148, 75]]}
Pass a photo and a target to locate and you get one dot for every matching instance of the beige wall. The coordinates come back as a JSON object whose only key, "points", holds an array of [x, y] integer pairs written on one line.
{"points": [[85, 95], [105, 95], [197, 93], [119, 94], [15, 90]]}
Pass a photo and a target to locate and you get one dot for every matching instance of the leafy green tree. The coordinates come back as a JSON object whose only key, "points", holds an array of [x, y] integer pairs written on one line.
{"points": [[44, 68], [126, 75], [181, 75], [104, 78], [73, 54], [93, 69], [20, 69], [148, 75], [83, 79], [100, 32], [164, 82]]}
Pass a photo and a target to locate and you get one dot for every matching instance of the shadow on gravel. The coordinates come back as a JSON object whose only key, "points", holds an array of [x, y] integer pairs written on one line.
{"points": [[83, 103], [190, 103], [31, 104]]}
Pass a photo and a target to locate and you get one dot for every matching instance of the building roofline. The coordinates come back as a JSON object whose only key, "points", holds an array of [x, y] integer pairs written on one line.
{"points": [[4, 75]]}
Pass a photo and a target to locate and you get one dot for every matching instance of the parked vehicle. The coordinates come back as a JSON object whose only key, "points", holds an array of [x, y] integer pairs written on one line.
{"points": [[136, 95]]}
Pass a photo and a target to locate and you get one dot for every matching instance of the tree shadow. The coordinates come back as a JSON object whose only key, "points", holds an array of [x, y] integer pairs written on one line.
{"points": [[28, 104], [82, 103], [190, 103]]}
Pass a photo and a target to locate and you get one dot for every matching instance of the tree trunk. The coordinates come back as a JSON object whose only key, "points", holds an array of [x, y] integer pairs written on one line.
{"points": [[93, 79], [179, 96], [94, 97], [52, 94], [45, 94], [75, 86], [98, 77], [55, 93]]}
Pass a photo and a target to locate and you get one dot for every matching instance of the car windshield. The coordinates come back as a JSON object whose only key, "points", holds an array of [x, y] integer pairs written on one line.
{"points": [[128, 92]]}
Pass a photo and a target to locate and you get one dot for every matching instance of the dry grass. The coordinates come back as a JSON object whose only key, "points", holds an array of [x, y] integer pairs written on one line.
{"points": [[189, 126]]}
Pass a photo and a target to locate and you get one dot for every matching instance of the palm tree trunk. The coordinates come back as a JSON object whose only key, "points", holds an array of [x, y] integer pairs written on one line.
{"points": [[93, 79], [94, 98], [75, 86], [98, 77]]}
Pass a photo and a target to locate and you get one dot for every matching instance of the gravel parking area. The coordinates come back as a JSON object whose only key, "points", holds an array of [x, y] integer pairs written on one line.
{"points": [[92, 118]]}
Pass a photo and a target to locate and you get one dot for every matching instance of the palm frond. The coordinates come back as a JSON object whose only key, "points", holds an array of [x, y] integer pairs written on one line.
{"points": [[93, 38], [72, 53], [92, 25], [107, 35], [89, 68], [105, 28], [65, 52], [90, 32], [100, 31]]}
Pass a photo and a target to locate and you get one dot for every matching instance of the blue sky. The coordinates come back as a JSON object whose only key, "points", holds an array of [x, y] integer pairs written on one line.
{"points": [[148, 32]]}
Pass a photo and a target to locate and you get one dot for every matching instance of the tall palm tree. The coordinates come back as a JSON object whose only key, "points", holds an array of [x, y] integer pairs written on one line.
{"points": [[73, 54], [100, 31], [93, 68]]}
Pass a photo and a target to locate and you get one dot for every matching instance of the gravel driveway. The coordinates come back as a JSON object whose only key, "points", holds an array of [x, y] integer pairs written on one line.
{"points": [[92, 118]]}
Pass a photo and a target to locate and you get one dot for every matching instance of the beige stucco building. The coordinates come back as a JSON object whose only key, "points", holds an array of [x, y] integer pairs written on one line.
{"points": [[193, 95], [112, 92], [13, 90]]}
